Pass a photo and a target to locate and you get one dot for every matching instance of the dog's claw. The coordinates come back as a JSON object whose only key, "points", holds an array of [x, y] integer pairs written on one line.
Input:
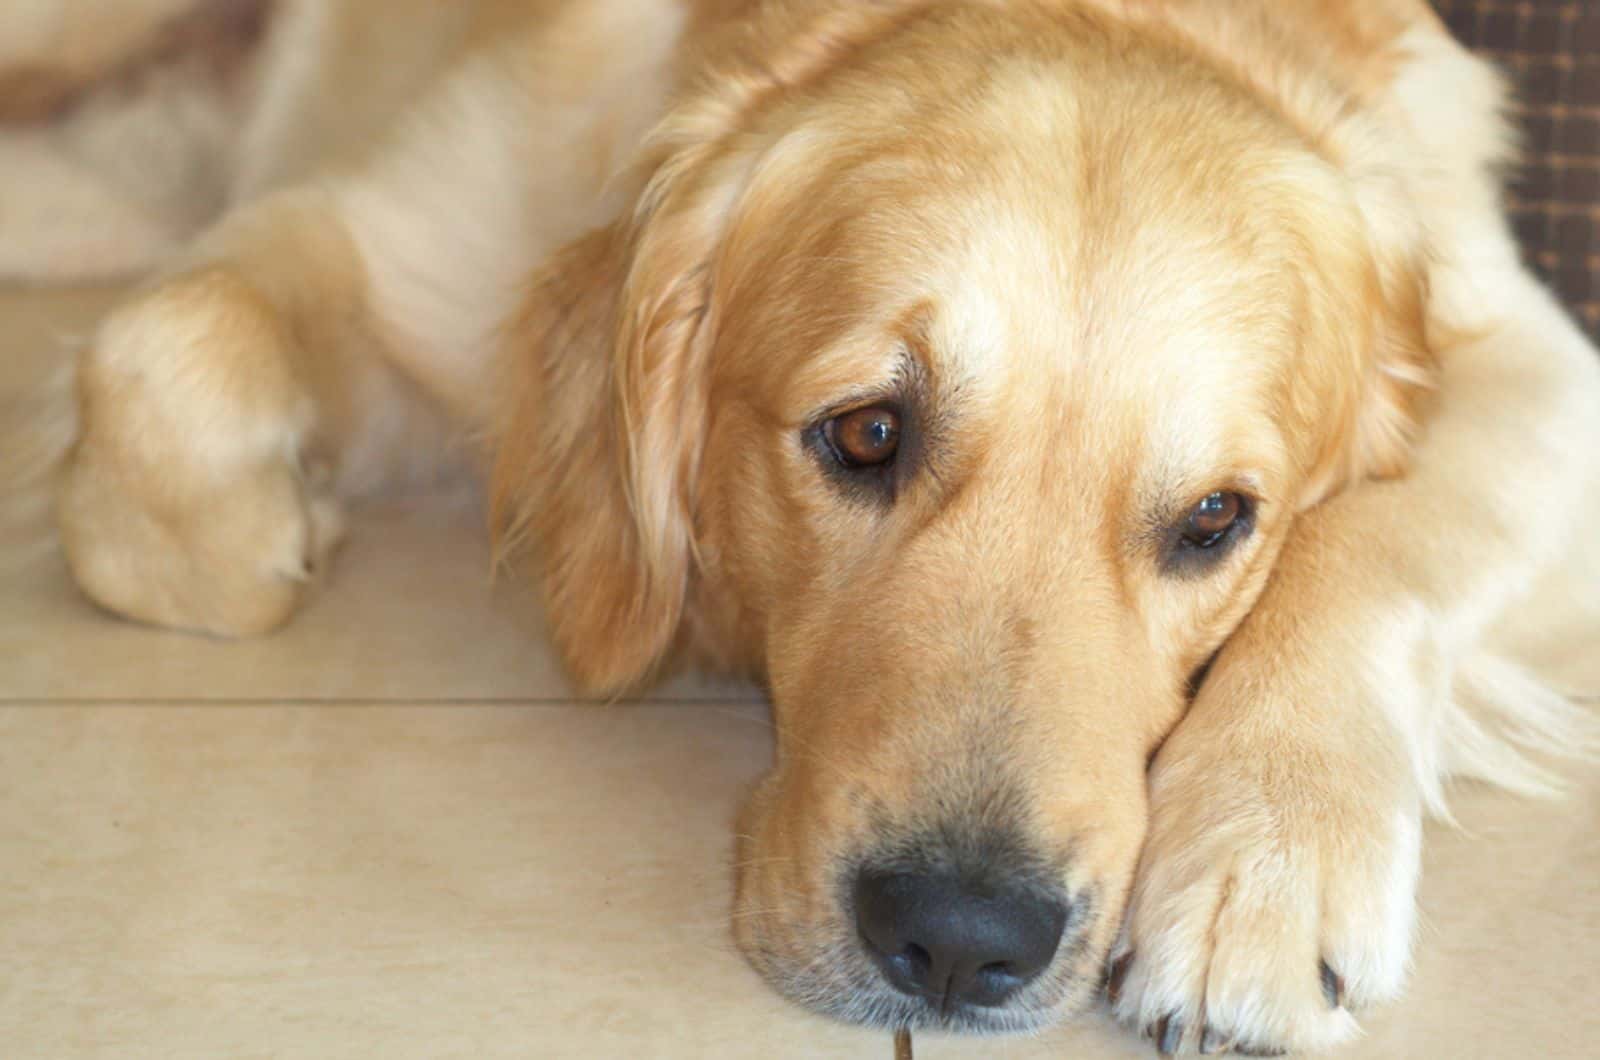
{"points": [[1168, 1035], [1332, 985], [1247, 1050], [1213, 1041], [1118, 973]]}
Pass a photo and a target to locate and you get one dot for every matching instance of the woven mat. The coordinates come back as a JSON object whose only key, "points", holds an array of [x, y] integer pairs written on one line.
{"points": [[1551, 48]]}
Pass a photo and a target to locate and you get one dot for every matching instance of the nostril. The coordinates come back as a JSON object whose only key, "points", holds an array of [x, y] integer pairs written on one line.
{"points": [[996, 980], [912, 964]]}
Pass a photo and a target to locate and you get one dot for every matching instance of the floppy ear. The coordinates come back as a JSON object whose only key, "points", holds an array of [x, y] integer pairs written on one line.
{"points": [[598, 444], [1399, 369], [1367, 365]]}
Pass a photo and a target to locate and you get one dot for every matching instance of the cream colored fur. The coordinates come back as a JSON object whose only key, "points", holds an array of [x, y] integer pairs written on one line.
{"points": [[119, 130], [341, 331]]}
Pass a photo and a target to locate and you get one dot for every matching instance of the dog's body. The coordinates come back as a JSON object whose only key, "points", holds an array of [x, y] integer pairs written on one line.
{"points": [[1092, 265]]}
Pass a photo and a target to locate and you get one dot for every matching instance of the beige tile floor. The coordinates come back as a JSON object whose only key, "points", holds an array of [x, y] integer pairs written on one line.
{"points": [[387, 831]]}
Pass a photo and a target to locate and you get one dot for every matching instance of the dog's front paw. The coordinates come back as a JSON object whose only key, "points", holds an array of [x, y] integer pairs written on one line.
{"points": [[1276, 891], [184, 502]]}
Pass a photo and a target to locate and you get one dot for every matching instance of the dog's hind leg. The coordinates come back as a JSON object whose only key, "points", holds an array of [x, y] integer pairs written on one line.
{"points": [[344, 333], [196, 495]]}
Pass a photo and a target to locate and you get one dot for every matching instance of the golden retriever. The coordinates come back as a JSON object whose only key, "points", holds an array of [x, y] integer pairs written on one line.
{"points": [[1119, 433]]}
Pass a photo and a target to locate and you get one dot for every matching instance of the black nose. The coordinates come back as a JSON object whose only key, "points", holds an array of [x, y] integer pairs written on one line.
{"points": [[935, 938]]}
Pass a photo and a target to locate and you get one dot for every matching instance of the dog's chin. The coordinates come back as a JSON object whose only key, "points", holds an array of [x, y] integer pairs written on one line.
{"points": [[839, 981]]}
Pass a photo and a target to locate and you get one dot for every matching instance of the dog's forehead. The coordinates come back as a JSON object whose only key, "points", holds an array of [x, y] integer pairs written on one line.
{"points": [[1052, 266], [1167, 348], [1027, 295]]}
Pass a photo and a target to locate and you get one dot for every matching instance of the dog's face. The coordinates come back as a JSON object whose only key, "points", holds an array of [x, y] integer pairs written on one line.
{"points": [[1004, 369], [997, 458]]}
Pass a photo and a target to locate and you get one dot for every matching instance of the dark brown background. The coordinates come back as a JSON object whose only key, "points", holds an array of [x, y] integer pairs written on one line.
{"points": [[1551, 49]]}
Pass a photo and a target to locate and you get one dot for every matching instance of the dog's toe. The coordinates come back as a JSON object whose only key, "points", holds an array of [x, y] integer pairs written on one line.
{"points": [[1262, 931]]}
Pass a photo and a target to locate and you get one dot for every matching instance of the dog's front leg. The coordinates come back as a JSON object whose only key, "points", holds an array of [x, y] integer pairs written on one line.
{"points": [[1275, 894]]}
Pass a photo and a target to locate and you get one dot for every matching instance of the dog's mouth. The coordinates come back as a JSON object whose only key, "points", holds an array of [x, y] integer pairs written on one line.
{"points": [[936, 889], [843, 980], [980, 945]]}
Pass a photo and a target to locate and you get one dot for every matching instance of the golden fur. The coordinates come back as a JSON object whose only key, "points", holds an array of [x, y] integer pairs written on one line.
{"points": [[1115, 254]]}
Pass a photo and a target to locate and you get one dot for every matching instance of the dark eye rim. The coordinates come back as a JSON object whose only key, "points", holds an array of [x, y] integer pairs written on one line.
{"points": [[1213, 539], [878, 484], [1184, 556]]}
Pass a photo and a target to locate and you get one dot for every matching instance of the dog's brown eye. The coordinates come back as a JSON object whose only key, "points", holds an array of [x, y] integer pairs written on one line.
{"points": [[1211, 519], [865, 437]]}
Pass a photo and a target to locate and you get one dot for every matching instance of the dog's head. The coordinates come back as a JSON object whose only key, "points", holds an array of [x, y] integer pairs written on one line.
{"points": [[962, 374]]}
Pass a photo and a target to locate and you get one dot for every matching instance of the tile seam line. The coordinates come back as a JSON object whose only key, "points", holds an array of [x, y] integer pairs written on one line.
{"points": [[419, 701]]}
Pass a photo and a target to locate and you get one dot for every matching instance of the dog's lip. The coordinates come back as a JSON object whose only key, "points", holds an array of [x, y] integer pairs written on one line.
{"points": [[852, 990], [926, 1013], [947, 1014], [871, 1001]]}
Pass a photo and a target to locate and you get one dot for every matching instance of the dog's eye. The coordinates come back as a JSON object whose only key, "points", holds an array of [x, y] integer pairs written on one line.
{"points": [[1207, 533], [1210, 521], [867, 437]]}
